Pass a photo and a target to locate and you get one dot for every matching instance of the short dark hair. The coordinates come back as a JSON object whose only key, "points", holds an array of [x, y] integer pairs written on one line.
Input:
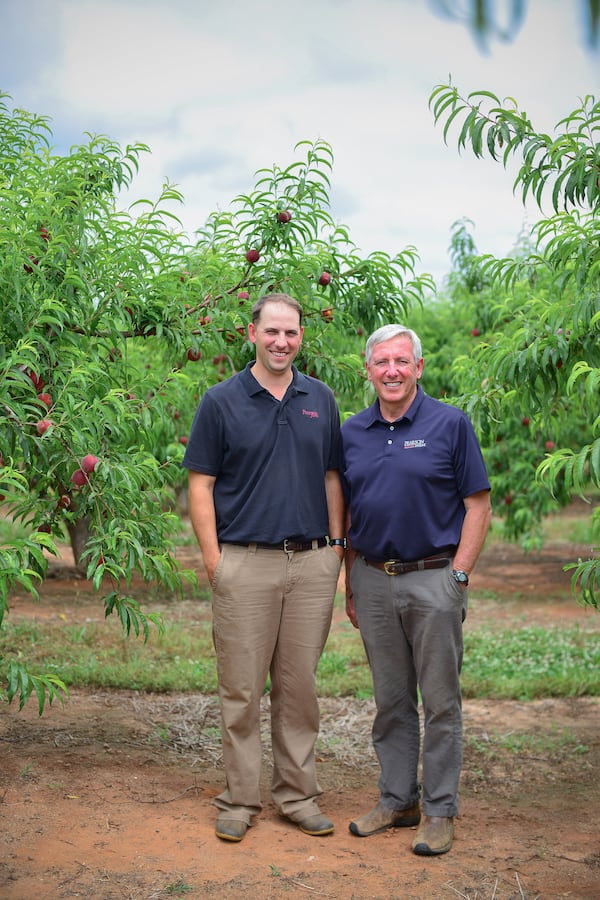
{"points": [[275, 298]]}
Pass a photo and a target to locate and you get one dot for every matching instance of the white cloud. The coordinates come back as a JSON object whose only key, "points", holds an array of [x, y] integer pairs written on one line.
{"points": [[218, 90]]}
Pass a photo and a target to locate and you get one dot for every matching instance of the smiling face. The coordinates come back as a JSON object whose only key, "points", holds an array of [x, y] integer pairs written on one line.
{"points": [[394, 372], [277, 336]]}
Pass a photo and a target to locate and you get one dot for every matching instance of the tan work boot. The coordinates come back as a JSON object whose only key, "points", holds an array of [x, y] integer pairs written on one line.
{"points": [[230, 829], [317, 825], [434, 835], [382, 817]]}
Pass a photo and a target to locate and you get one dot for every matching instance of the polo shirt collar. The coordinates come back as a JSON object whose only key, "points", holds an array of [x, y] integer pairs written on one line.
{"points": [[375, 410], [252, 387]]}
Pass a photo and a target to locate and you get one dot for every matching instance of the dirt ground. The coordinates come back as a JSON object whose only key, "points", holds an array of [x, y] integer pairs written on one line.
{"points": [[102, 799]]}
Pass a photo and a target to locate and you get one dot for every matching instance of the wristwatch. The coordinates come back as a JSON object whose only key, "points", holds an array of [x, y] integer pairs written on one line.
{"points": [[460, 576], [338, 542]]}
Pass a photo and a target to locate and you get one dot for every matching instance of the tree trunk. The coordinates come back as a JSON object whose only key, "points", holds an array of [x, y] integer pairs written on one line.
{"points": [[79, 532]]}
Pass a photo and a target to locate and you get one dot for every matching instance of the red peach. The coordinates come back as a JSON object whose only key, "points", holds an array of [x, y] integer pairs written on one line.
{"points": [[43, 425], [78, 478], [89, 463]]}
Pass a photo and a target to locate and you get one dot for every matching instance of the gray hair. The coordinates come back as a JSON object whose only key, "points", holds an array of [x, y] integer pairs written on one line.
{"points": [[386, 333]]}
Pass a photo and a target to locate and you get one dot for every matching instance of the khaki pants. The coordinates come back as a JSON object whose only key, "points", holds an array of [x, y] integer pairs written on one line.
{"points": [[271, 615]]}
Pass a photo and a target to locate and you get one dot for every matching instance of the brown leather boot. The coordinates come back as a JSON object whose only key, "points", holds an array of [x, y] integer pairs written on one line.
{"points": [[434, 835], [382, 817]]}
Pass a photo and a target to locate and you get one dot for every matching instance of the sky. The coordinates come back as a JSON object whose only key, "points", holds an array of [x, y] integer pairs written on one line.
{"points": [[221, 88]]}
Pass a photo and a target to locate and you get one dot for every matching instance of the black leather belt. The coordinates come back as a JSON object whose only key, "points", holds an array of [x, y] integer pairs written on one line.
{"points": [[288, 545], [399, 567]]}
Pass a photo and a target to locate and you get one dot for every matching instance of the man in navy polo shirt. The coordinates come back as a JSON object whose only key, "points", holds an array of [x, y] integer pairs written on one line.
{"points": [[265, 493], [418, 514]]}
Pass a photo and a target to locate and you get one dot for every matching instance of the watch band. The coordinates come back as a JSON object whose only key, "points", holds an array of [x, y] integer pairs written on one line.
{"points": [[338, 542]]}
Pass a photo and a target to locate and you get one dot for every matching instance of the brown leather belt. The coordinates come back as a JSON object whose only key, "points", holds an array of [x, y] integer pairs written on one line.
{"points": [[399, 567], [288, 545]]}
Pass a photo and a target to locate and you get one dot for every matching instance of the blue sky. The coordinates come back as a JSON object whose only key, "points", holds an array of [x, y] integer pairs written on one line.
{"points": [[220, 89]]}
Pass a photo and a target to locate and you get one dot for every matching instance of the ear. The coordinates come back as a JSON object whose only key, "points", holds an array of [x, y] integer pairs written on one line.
{"points": [[252, 332], [420, 365], [368, 371]]}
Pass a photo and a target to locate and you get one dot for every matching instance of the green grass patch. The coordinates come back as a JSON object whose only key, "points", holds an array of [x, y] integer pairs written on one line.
{"points": [[553, 744], [531, 663], [513, 663]]}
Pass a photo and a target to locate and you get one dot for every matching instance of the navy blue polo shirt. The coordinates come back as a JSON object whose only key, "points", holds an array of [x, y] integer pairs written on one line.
{"points": [[269, 457], [405, 481]]}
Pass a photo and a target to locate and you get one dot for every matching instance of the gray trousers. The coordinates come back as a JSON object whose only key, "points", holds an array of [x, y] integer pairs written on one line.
{"points": [[411, 626]]}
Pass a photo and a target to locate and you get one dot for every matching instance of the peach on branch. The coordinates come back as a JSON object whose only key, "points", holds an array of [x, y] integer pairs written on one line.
{"points": [[89, 463], [252, 255], [78, 478], [36, 380], [324, 279], [46, 399], [43, 425]]}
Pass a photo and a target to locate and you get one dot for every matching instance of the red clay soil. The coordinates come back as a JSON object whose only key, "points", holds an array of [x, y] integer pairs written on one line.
{"points": [[97, 803]]}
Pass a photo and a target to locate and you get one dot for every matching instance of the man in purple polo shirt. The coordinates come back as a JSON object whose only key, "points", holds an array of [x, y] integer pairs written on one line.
{"points": [[418, 511], [265, 494]]}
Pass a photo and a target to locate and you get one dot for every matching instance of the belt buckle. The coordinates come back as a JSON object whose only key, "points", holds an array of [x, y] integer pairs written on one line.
{"points": [[393, 567]]}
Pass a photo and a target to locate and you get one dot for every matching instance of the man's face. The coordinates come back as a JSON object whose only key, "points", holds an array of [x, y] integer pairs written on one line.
{"points": [[277, 336], [394, 372]]}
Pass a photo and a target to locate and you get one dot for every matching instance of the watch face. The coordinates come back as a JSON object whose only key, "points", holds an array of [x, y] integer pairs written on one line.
{"points": [[461, 577]]}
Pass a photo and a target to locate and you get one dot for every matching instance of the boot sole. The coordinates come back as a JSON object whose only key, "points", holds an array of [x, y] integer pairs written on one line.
{"points": [[425, 850], [407, 822]]}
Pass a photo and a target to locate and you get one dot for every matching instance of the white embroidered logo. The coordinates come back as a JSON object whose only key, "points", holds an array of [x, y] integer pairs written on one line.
{"points": [[413, 445]]}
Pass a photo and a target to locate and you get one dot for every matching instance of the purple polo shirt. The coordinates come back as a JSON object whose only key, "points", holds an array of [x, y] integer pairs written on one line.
{"points": [[269, 457], [405, 481]]}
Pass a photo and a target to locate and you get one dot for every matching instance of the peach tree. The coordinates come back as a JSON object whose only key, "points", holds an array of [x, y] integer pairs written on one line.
{"points": [[538, 360], [112, 324], [470, 310]]}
